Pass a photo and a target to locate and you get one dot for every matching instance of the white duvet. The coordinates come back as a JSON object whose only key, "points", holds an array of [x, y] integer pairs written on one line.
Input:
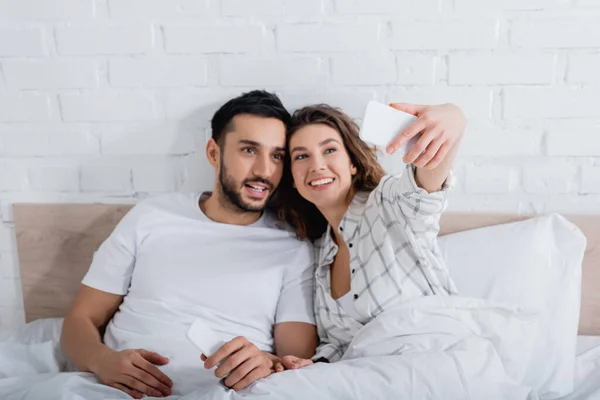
{"points": [[430, 348]]}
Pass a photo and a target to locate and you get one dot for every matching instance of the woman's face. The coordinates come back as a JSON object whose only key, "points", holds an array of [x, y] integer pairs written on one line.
{"points": [[321, 166]]}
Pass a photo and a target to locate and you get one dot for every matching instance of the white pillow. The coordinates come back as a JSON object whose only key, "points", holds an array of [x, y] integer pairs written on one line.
{"points": [[33, 348], [38, 331], [535, 264]]}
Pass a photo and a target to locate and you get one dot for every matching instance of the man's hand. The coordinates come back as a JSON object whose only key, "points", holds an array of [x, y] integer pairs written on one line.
{"points": [[293, 362], [133, 372], [441, 126], [246, 363]]}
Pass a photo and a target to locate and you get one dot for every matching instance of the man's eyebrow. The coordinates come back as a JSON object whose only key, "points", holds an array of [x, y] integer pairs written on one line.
{"points": [[249, 142], [257, 144]]}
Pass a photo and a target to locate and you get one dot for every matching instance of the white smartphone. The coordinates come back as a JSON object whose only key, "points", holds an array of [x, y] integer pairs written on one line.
{"points": [[204, 338], [382, 124]]}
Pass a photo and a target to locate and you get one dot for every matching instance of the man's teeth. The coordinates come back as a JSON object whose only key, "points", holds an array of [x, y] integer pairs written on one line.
{"points": [[321, 182], [259, 188]]}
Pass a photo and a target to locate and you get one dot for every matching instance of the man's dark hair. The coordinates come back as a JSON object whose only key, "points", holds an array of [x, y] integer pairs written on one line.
{"points": [[256, 102]]}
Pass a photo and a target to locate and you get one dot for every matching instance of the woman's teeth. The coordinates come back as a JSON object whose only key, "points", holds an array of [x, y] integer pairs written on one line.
{"points": [[321, 182]]}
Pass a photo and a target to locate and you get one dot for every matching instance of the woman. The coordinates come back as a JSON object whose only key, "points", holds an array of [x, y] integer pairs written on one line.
{"points": [[374, 235]]}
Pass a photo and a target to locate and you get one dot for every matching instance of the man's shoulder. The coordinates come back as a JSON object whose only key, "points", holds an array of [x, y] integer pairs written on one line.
{"points": [[271, 221], [168, 200], [171, 203]]}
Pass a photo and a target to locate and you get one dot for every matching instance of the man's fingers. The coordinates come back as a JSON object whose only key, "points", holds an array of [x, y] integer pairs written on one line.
{"points": [[151, 381], [414, 129], [134, 383], [422, 144], [428, 155], [153, 357], [154, 371], [234, 361], [255, 374], [413, 109], [225, 350], [278, 366], [241, 371], [133, 393]]}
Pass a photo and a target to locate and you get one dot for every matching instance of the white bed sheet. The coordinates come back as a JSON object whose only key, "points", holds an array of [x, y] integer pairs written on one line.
{"points": [[432, 347], [585, 343], [587, 374], [587, 369]]}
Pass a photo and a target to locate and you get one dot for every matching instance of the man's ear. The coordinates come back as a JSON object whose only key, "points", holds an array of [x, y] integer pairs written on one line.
{"points": [[213, 153]]}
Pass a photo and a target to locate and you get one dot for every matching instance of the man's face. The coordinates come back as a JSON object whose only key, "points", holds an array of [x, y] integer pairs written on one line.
{"points": [[252, 158]]}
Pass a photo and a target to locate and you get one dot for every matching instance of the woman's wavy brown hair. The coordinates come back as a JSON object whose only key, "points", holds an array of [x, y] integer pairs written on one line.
{"points": [[303, 215]]}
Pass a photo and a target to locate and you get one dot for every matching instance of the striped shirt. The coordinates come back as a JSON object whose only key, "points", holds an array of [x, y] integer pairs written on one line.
{"points": [[391, 234]]}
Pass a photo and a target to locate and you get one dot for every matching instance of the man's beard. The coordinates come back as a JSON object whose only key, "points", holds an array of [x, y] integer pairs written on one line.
{"points": [[233, 194]]}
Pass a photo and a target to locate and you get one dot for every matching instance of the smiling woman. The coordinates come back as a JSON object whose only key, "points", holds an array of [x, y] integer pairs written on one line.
{"points": [[374, 235], [357, 167]]}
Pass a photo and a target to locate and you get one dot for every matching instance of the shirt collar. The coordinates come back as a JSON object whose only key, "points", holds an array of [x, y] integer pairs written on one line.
{"points": [[348, 226]]}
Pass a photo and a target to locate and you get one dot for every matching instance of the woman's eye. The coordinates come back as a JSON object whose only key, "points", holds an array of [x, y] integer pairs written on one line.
{"points": [[330, 150], [300, 157]]}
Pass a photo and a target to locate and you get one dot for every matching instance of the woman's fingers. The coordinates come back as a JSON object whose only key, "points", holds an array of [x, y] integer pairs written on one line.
{"points": [[414, 129], [413, 109], [421, 146], [429, 153], [439, 157]]}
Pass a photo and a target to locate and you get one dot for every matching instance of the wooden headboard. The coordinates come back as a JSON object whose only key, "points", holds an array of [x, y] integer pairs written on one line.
{"points": [[56, 243]]}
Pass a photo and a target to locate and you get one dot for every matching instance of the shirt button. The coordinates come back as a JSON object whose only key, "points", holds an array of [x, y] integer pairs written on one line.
{"points": [[350, 245], [355, 296], [341, 229], [353, 270]]}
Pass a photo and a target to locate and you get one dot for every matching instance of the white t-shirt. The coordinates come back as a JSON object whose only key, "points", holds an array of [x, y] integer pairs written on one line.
{"points": [[174, 265]]}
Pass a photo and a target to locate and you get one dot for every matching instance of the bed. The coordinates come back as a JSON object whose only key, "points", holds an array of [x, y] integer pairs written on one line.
{"points": [[56, 243]]}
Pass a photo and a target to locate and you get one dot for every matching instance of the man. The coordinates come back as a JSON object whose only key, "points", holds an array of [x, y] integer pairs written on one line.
{"points": [[217, 256]]}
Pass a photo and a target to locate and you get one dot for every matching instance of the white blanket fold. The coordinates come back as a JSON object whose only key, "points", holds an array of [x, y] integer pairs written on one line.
{"points": [[429, 348]]}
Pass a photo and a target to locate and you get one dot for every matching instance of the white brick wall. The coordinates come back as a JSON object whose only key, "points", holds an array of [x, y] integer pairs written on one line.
{"points": [[162, 72], [21, 42], [564, 32], [243, 8], [157, 8], [60, 74], [279, 71], [503, 69], [46, 10], [108, 106], [105, 39], [583, 68], [26, 107], [470, 34], [211, 38], [590, 180], [110, 100], [332, 37]]}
